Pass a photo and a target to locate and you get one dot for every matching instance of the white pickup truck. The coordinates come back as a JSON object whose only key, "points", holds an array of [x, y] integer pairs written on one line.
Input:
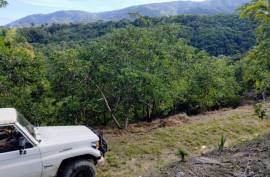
{"points": [[63, 151]]}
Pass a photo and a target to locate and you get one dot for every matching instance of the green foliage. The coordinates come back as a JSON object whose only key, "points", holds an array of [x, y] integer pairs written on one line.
{"points": [[121, 72], [3, 3], [226, 35], [22, 78], [255, 66], [256, 70], [222, 142], [141, 76], [257, 9], [182, 153], [260, 110], [212, 84]]}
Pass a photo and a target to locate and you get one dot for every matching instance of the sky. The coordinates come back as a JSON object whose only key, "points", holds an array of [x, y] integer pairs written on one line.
{"points": [[21, 8]]}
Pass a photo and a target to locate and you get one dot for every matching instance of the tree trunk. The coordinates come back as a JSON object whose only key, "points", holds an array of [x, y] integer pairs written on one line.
{"points": [[109, 108], [264, 96], [126, 123], [149, 113]]}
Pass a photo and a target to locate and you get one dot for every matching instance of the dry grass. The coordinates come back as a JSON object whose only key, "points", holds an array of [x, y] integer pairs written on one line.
{"points": [[134, 154]]}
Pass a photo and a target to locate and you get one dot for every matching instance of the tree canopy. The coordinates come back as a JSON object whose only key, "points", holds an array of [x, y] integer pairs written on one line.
{"points": [[114, 73], [257, 9], [226, 35], [3, 3], [256, 64]]}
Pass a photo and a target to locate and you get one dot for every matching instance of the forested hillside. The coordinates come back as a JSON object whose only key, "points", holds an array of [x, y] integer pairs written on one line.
{"points": [[207, 7], [114, 73], [218, 35]]}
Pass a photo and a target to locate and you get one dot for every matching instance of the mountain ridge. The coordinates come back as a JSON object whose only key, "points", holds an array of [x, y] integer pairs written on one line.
{"points": [[208, 7]]}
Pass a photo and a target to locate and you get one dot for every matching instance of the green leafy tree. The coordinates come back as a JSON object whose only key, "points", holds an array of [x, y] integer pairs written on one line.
{"points": [[212, 83], [256, 69], [22, 77], [255, 65], [3, 3], [137, 74], [257, 9], [226, 34]]}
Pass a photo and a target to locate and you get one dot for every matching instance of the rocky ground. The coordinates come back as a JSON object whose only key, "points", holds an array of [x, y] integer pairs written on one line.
{"points": [[249, 159]]}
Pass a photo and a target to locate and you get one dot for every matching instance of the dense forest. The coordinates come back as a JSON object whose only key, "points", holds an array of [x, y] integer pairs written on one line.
{"points": [[160, 8], [114, 73], [218, 35]]}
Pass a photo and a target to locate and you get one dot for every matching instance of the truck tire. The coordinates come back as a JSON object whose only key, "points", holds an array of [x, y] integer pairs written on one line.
{"points": [[79, 168]]}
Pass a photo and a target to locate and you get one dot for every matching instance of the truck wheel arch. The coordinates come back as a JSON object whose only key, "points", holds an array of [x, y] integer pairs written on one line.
{"points": [[67, 161]]}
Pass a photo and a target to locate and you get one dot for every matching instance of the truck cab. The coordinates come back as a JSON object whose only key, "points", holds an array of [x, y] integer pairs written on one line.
{"points": [[60, 151]]}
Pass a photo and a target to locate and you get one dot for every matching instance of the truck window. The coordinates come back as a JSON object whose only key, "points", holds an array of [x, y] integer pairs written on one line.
{"points": [[27, 125], [9, 139]]}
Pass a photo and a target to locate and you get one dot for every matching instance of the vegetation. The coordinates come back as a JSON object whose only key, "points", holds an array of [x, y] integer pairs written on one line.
{"points": [[209, 7], [136, 154], [132, 74], [255, 66], [117, 73], [222, 143], [260, 110], [3, 3], [257, 9], [114, 73], [182, 153], [225, 34], [22, 78]]}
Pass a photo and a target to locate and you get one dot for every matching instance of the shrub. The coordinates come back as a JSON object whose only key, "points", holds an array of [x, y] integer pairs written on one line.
{"points": [[222, 142], [182, 152], [260, 110]]}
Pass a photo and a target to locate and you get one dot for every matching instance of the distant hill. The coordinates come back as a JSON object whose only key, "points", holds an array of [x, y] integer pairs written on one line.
{"points": [[208, 7]]}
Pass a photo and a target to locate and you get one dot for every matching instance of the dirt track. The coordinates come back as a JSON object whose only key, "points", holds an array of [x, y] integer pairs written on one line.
{"points": [[250, 159]]}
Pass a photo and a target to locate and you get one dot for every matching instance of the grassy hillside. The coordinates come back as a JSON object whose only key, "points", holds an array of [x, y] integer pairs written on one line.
{"points": [[135, 154]]}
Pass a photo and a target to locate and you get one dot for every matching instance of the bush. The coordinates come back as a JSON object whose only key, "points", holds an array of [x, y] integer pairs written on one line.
{"points": [[182, 152], [222, 143], [260, 110]]}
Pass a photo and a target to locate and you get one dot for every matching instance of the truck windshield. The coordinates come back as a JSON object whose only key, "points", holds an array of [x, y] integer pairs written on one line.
{"points": [[26, 124]]}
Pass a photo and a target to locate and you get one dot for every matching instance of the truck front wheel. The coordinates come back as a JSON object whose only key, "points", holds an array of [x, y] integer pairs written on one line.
{"points": [[79, 168]]}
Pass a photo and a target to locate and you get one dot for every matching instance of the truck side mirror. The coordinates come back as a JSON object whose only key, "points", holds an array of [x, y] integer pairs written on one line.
{"points": [[22, 145]]}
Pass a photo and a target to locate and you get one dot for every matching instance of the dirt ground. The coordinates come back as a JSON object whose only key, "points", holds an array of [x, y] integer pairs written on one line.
{"points": [[148, 147], [249, 159]]}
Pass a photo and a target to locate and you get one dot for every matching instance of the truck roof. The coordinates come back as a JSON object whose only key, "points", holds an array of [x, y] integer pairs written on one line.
{"points": [[8, 116]]}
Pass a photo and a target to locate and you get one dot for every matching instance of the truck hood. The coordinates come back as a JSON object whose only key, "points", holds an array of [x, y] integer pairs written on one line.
{"points": [[65, 134], [63, 142]]}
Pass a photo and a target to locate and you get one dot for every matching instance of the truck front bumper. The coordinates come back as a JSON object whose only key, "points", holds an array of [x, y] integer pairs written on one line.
{"points": [[101, 161]]}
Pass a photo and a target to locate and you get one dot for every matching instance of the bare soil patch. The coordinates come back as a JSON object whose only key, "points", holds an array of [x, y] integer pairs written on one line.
{"points": [[249, 159]]}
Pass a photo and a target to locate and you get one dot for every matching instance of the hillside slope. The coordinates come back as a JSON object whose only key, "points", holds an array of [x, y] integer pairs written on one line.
{"points": [[250, 158], [149, 146], [208, 7]]}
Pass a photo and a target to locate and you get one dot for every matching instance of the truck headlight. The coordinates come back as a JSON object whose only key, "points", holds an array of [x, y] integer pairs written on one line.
{"points": [[95, 144]]}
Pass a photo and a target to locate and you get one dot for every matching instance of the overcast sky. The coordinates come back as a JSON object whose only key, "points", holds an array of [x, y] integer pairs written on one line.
{"points": [[21, 8]]}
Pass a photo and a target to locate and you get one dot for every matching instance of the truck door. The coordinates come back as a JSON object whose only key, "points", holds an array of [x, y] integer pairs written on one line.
{"points": [[15, 162]]}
